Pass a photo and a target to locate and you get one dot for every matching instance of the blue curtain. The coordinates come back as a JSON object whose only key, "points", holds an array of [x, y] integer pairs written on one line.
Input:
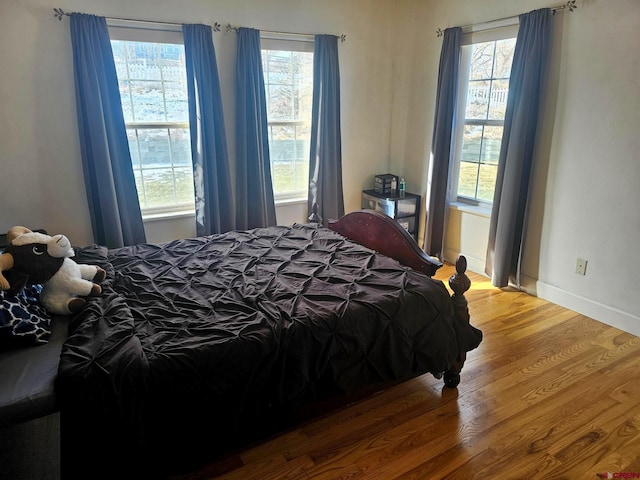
{"points": [[444, 125], [325, 162], [511, 197], [212, 181], [255, 206], [116, 219]]}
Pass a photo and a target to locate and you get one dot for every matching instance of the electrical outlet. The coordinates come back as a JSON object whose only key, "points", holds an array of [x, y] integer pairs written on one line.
{"points": [[581, 266]]}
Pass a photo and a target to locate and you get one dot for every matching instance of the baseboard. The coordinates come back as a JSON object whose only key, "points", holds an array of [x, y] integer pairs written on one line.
{"points": [[529, 285], [474, 264], [586, 306]]}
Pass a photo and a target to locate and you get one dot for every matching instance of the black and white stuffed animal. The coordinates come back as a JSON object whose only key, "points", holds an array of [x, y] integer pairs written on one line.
{"points": [[37, 258]]}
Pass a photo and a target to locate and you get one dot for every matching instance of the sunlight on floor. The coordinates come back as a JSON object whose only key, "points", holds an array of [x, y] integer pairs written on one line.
{"points": [[478, 281], [484, 285]]}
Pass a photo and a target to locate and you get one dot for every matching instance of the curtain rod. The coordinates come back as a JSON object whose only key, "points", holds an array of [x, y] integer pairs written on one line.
{"points": [[59, 13], [570, 5], [230, 28], [216, 27]]}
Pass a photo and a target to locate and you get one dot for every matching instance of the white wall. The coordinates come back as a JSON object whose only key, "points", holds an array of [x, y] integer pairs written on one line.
{"points": [[586, 194], [41, 177]]}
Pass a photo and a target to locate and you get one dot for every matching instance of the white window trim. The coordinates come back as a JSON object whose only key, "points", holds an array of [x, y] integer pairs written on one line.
{"points": [[287, 41], [283, 201], [295, 43], [135, 31], [458, 126], [489, 32], [159, 216], [480, 210]]}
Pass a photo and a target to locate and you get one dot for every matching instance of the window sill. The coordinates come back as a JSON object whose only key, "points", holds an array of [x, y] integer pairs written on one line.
{"points": [[481, 211], [290, 201], [157, 217]]}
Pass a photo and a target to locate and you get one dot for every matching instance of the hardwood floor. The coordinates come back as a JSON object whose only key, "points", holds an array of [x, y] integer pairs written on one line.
{"points": [[548, 394]]}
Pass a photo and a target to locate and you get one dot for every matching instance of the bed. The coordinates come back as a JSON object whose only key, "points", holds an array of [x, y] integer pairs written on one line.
{"points": [[200, 345]]}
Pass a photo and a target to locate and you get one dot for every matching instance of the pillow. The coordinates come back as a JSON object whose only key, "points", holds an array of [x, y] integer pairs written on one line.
{"points": [[23, 321]]}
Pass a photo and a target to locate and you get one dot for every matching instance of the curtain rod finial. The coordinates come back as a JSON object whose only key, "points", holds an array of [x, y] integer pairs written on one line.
{"points": [[230, 28], [439, 32], [570, 5], [59, 13]]}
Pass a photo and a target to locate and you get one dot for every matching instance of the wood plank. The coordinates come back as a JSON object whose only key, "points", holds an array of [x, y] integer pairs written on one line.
{"points": [[548, 394], [276, 468]]}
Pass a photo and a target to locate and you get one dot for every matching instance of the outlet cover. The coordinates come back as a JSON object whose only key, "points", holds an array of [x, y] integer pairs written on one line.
{"points": [[581, 266]]}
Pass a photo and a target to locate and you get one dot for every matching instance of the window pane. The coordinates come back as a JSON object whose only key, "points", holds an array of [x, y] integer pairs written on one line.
{"points": [[504, 58], [491, 141], [498, 100], [177, 107], [175, 88], [303, 142], [478, 139], [125, 97], [468, 179], [281, 144], [487, 182], [117, 47], [133, 147], [278, 65], [143, 59], [184, 185], [288, 148], [180, 146], [478, 99], [140, 187], [290, 178], [289, 89], [158, 186], [148, 101], [289, 84], [481, 61], [281, 102], [170, 54], [471, 143], [154, 147], [152, 82], [304, 84]]}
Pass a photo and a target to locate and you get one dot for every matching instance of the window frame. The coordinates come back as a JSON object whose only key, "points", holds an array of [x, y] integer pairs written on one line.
{"points": [[124, 30], [293, 43], [484, 33]]}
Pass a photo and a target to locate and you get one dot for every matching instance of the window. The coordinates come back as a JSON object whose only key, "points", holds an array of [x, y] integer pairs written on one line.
{"points": [[484, 87], [288, 78], [153, 89]]}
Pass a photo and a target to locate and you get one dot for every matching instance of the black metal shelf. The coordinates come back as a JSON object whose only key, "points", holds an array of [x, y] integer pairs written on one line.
{"points": [[395, 206]]}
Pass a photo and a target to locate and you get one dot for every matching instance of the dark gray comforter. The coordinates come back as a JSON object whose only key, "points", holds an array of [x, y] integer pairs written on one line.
{"points": [[195, 343]]}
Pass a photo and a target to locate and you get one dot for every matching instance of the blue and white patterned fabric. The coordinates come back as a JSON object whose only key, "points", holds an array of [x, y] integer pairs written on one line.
{"points": [[23, 321]]}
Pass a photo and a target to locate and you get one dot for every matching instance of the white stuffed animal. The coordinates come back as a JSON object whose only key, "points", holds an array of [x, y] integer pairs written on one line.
{"points": [[37, 258]]}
